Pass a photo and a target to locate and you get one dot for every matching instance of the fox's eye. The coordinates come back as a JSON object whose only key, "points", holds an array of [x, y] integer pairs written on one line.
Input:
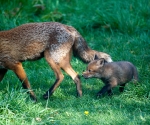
{"points": [[89, 70]]}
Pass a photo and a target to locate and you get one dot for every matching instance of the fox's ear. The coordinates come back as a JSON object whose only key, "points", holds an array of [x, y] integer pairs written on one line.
{"points": [[101, 62], [96, 57]]}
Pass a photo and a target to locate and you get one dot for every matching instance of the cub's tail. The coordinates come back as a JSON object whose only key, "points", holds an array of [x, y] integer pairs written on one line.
{"points": [[81, 49]]}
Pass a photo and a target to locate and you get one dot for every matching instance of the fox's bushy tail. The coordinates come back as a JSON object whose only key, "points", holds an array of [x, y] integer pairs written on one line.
{"points": [[81, 49]]}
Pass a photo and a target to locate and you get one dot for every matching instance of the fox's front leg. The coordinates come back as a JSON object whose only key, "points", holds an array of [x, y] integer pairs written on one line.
{"points": [[106, 88], [19, 71]]}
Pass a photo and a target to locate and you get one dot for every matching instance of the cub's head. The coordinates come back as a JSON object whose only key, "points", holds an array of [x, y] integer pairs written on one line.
{"points": [[94, 68]]}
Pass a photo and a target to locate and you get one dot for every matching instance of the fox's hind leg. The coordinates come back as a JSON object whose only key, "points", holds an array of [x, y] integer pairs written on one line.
{"points": [[65, 65], [59, 78], [68, 69], [57, 70], [19, 71], [2, 73], [121, 87]]}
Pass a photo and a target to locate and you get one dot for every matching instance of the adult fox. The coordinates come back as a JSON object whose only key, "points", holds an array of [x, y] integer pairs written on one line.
{"points": [[51, 40]]}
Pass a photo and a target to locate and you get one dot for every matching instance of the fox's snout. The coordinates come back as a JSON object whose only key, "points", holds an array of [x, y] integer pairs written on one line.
{"points": [[85, 75]]}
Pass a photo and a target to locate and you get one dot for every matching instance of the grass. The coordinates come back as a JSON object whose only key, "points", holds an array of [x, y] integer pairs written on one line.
{"points": [[120, 28]]}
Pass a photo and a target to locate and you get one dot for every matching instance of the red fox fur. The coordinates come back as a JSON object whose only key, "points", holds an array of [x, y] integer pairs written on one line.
{"points": [[51, 40]]}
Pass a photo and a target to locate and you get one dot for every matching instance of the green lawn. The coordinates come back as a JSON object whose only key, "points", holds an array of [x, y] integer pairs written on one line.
{"points": [[119, 28]]}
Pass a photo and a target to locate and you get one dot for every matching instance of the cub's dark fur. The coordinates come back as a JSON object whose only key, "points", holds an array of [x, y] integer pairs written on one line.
{"points": [[112, 74]]}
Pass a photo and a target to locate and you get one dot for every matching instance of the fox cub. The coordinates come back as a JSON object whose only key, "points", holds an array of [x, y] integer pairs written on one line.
{"points": [[112, 74]]}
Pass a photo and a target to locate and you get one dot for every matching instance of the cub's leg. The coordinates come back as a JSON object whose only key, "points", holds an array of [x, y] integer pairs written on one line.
{"points": [[2, 73], [108, 86], [110, 92], [121, 87]]}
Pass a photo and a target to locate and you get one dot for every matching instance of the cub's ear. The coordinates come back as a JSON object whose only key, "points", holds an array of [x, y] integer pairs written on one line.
{"points": [[96, 57], [101, 62]]}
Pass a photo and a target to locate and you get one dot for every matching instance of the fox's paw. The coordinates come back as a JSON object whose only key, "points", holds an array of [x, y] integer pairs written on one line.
{"points": [[99, 95], [79, 95], [45, 96], [33, 98]]}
